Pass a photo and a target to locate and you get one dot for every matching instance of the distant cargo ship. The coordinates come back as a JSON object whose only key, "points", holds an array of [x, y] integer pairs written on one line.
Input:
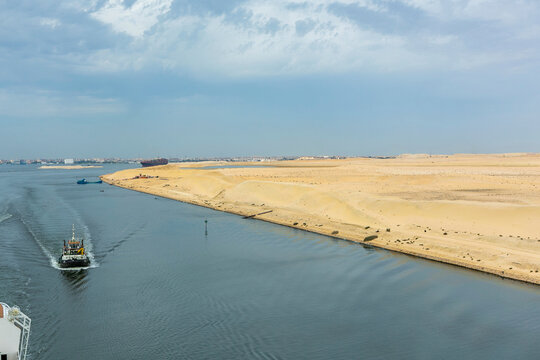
{"points": [[154, 162]]}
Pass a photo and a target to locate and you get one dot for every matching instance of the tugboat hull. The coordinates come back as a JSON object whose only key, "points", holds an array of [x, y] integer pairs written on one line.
{"points": [[70, 263], [84, 181]]}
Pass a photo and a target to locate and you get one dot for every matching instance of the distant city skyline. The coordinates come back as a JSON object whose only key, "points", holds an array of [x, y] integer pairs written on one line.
{"points": [[149, 78], [69, 161]]}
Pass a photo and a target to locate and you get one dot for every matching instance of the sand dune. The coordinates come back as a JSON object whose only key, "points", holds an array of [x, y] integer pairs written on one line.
{"points": [[476, 211]]}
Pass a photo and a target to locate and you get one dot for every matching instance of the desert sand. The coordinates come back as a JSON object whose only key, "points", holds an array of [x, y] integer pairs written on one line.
{"points": [[69, 167], [476, 211]]}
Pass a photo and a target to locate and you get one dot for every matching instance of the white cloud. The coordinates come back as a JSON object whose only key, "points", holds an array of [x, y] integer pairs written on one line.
{"points": [[134, 20], [48, 22], [265, 38], [510, 12], [214, 44]]}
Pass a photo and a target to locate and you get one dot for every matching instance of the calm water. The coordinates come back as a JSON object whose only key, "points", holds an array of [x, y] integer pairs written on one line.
{"points": [[161, 289]]}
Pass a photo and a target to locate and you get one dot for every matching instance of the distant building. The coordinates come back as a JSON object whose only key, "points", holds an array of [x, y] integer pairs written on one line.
{"points": [[68, 161]]}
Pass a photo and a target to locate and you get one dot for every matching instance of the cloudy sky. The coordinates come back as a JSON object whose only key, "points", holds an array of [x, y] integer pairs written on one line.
{"points": [[283, 77]]}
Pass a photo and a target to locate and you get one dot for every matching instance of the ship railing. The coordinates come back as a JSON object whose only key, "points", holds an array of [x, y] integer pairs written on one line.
{"points": [[23, 322]]}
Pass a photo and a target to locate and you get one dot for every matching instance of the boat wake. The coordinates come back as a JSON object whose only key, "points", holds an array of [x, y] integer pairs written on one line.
{"points": [[88, 249], [53, 259], [4, 213], [4, 217], [49, 228], [75, 268], [113, 247]]}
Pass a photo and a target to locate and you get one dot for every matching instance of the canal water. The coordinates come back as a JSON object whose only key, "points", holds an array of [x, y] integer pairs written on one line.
{"points": [[160, 288]]}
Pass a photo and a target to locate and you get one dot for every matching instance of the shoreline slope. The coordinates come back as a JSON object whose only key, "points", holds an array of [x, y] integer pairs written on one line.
{"points": [[481, 212]]}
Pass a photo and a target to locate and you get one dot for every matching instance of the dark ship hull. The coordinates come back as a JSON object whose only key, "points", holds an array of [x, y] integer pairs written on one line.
{"points": [[84, 181], [70, 263], [154, 162]]}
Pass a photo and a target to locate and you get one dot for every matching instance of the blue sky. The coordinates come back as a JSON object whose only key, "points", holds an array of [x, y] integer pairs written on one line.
{"points": [[142, 78]]}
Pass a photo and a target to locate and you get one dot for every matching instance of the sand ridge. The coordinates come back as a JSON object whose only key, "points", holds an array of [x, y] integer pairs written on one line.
{"points": [[477, 211]]}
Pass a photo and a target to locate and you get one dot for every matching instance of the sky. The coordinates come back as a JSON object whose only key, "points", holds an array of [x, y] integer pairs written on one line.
{"points": [[212, 78]]}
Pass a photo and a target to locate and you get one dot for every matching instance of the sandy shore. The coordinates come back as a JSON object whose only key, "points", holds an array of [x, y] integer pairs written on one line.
{"points": [[69, 167], [477, 211]]}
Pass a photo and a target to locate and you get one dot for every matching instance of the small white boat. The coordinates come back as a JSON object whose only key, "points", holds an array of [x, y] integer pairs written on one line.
{"points": [[14, 333]]}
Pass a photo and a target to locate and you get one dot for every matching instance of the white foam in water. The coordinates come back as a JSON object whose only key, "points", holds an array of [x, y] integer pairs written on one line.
{"points": [[4, 217], [52, 260], [79, 224], [89, 247], [87, 240]]}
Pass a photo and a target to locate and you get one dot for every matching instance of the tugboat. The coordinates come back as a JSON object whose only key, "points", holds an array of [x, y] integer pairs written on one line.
{"points": [[73, 254]]}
